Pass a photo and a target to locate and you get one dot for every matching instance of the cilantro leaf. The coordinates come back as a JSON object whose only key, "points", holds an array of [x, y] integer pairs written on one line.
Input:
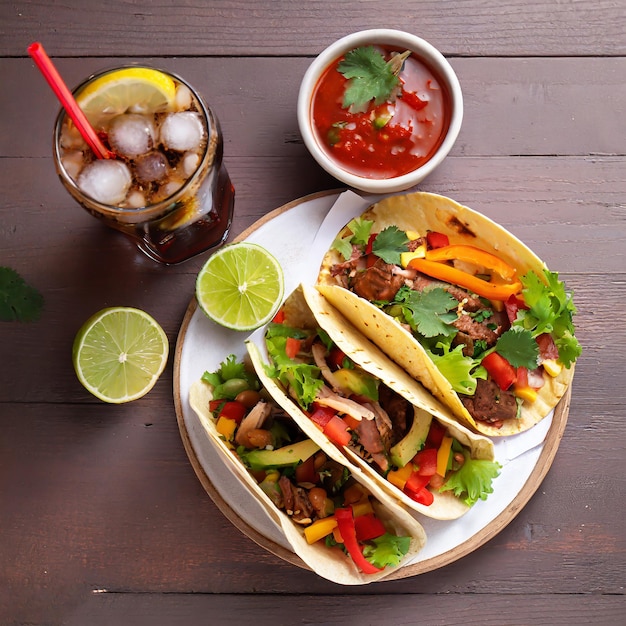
{"points": [[19, 302], [518, 346], [386, 550], [370, 78], [429, 312], [343, 246], [361, 230], [389, 243], [473, 480], [462, 372], [551, 310]]}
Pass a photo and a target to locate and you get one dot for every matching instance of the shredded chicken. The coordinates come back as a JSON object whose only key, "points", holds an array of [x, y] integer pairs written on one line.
{"points": [[326, 397], [252, 421], [319, 355]]}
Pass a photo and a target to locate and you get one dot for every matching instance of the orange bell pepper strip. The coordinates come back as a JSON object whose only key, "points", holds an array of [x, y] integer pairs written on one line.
{"points": [[447, 273], [474, 255]]}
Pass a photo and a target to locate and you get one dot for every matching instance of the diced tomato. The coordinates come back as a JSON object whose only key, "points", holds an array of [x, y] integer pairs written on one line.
{"points": [[522, 377], [435, 434], [279, 318], [500, 370], [233, 410], [436, 240], [368, 527], [370, 243], [337, 431], [423, 496], [292, 347], [413, 100], [214, 405], [306, 473], [345, 524], [336, 358], [351, 422], [426, 461], [547, 347], [321, 415]]}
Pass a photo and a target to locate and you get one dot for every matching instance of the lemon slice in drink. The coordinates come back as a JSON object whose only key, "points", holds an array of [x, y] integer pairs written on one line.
{"points": [[119, 353], [241, 286], [130, 89]]}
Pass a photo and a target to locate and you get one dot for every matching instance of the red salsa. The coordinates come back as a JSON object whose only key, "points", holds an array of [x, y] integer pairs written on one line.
{"points": [[388, 140]]}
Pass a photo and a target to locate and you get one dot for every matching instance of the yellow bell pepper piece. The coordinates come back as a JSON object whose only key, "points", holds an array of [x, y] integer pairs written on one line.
{"points": [[412, 235], [443, 455], [407, 257], [400, 476], [362, 508], [226, 427], [552, 367], [319, 529], [525, 393]]}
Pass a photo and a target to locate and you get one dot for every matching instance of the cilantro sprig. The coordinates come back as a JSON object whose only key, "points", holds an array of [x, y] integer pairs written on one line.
{"points": [[19, 302], [370, 77]]}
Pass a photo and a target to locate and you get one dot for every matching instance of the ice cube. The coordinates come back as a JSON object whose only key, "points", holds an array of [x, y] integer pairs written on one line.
{"points": [[135, 199], [73, 162], [105, 180], [131, 134], [183, 98], [182, 131], [70, 138], [190, 163], [151, 167]]}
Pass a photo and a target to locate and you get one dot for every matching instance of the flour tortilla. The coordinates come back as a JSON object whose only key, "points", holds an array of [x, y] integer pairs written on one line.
{"points": [[305, 308], [423, 212], [328, 563]]}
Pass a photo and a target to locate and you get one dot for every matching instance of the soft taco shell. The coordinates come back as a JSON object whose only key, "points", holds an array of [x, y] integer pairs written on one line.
{"points": [[327, 563], [306, 308], [424, 212]]}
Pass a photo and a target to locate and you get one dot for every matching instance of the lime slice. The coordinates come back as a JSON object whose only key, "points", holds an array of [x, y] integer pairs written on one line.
{"points": [[131, 89], [241, 286], [119, 353]]}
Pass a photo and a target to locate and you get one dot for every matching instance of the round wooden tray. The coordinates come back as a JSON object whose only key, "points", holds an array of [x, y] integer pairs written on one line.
{"points": [[313, 208]]}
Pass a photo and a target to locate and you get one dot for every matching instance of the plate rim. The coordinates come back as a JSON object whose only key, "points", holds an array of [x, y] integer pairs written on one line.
{"points": [[546, 457]]}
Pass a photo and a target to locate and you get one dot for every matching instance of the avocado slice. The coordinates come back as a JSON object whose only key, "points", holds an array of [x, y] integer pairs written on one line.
{"points": [[414, 440], [281, 457], [357, 382]]}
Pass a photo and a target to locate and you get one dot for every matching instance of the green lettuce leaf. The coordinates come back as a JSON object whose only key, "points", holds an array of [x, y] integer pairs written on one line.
{"points": [[386, 550], [461, 371]]}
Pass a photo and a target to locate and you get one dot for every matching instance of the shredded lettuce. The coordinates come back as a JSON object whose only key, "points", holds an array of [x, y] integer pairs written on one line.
{"points": [[461, 371], [386, 550]]}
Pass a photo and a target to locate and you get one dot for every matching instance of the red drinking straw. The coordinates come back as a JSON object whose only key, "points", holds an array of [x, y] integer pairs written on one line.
{"points": [[50, 73]]}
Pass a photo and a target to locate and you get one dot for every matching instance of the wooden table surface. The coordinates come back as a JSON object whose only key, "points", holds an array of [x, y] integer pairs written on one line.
{"points": [[102, 518]]}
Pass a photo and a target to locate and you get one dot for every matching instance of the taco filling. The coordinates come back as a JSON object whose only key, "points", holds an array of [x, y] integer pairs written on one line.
{"points": [[495, 336], [315, 491], [404, 444]]}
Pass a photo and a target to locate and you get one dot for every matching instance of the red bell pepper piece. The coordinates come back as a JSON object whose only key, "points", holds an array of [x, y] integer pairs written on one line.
{"points": [[214, 405], [233, 410], [436, 240], [426, 461], [368, 527], [500, 370], [292, 347], [370, 243], [321, 415], [345, 524], [416, 489]]}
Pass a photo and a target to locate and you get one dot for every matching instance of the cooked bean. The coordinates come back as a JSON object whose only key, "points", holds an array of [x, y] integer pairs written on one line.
{"points": [[248, 397], [317, 497], [259, 438]]}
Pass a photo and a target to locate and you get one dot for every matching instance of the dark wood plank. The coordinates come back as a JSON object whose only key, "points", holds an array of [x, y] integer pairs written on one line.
{"points": [[518, 107], [229, 27]]}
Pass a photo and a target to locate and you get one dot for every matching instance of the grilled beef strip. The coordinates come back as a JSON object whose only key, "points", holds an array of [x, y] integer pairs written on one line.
{"points": [[378, 282], [490, 404]]}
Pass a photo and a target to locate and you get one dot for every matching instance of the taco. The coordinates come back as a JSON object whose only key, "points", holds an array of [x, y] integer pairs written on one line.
{"points": [[347, 394], [461, 304], [343, 528]]}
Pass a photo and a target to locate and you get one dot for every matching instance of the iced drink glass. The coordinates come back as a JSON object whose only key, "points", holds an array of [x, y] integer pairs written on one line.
{"points": [[168, 189]]}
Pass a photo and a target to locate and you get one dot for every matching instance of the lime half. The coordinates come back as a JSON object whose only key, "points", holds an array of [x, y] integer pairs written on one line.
{"points": [[240, 286], [119, 353]]}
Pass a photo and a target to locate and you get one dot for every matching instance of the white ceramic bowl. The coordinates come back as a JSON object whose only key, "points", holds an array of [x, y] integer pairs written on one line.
{"points": [[419, 48]]}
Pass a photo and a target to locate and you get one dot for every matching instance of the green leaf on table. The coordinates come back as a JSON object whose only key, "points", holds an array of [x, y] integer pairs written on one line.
{"points": [[19, 302]]}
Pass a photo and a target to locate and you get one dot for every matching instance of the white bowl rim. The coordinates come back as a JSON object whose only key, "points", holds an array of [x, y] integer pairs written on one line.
{"points": [[386, 36]]}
